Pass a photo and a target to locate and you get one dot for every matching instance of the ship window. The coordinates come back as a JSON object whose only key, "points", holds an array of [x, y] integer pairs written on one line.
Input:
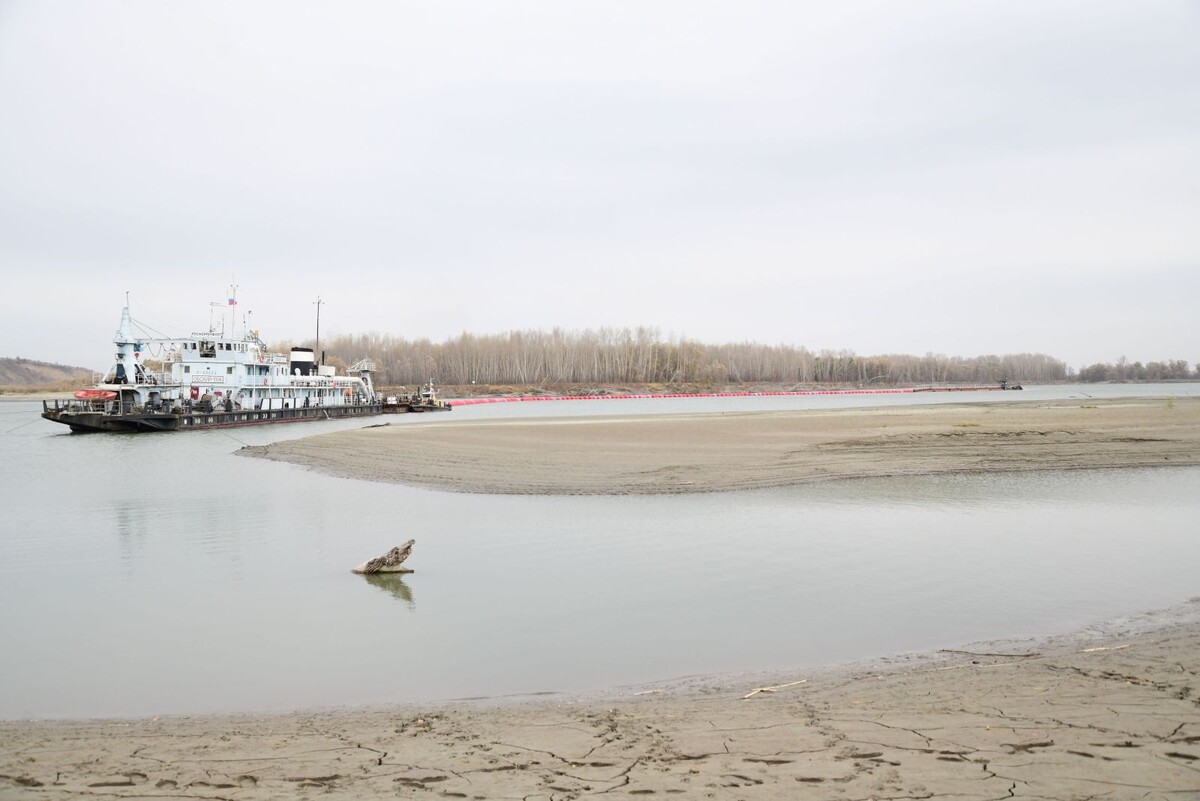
{"points": [[187, 368], [208, 349], [229, 371]]}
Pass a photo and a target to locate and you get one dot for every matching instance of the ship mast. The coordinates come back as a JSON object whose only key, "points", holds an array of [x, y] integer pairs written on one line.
{"points": [[317, 346], [232, 310], [125, 368]]}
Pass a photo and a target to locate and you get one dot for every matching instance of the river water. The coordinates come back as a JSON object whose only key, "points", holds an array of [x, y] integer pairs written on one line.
{"points": [[161, 574]]}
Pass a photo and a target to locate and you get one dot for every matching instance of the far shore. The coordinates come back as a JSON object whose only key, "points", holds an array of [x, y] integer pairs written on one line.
{"points": [[35, 396], [1109, 712], [642, 455]]}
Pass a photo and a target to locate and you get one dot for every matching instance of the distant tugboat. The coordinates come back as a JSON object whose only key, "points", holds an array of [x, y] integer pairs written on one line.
{"points": [[424, 399], [212, 379]]}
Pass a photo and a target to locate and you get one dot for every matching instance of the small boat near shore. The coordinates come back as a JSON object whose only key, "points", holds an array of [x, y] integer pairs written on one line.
{"points": [[424, 399], [218, 378]]}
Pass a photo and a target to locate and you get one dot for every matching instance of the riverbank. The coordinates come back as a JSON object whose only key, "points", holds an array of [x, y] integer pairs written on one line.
{"points": [[645, 455], [1111, 711], [26, 397]]}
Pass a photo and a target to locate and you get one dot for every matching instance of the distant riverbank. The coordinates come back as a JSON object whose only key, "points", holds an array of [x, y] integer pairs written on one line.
{"points": [[50, 394], [698, 388], [645, 455]]}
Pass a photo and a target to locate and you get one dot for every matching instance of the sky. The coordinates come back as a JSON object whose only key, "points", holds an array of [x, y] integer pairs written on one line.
{"points": [[947, 177]]}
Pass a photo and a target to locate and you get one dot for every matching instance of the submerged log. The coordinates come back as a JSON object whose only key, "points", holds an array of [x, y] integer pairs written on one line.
{"points": [[390, 562]]}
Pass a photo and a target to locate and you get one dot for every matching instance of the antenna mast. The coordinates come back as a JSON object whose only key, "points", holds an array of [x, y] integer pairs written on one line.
{"points": [[232, 302], [317, 347]]}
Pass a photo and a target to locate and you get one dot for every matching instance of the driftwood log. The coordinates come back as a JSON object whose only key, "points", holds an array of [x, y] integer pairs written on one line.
{"points": [[390, 562]]}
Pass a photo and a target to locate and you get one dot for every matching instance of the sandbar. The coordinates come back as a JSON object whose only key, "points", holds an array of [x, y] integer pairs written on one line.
{"points": [[655, 454]]}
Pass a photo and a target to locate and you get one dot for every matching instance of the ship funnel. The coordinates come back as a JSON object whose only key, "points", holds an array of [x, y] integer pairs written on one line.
{"points": [[301, 362]]}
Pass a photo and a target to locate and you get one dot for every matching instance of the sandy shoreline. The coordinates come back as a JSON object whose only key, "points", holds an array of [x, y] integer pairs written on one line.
{"points": [[621, 455], [1109, 712]]}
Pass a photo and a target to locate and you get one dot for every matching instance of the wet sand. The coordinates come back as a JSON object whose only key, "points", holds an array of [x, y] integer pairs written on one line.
{"points": [[636, 455], [1109, 713]]}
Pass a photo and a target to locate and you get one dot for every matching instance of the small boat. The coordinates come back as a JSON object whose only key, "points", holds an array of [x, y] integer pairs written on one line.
{"points": [[423, 400], [219, 378], [95, 395]]}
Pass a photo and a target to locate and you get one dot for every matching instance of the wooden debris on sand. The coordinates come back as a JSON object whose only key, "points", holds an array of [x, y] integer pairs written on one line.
{"points": [[758, 690]]}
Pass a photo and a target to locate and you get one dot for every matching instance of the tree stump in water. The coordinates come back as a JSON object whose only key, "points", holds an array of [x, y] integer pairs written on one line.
{"points": [[390, 562]]}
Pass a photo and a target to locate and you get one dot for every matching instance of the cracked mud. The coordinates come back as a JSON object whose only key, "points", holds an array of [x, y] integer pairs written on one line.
{"points": [[1073, 721]]}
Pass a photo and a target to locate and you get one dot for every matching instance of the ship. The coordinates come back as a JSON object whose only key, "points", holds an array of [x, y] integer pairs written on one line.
{"points": [[220, 378]]}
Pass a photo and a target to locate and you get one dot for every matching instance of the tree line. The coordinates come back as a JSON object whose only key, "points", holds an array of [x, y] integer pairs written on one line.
{"points": [[1124, 370], [610, 356]]}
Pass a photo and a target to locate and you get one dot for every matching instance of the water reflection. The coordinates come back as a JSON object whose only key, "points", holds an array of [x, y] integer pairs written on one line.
{"points": [[131, 523], [393, 584]]}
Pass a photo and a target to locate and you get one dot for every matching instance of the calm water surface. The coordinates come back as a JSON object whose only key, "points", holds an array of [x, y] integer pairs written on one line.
{"points": [[161, 574]]}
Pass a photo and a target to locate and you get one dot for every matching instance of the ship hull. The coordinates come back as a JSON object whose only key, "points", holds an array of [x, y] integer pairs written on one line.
{"points": [[99, 422], [405, 408], [429, 407]]}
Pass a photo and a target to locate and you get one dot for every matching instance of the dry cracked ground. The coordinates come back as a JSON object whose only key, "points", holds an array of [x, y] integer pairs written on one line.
{"points": [[1119, 720]]}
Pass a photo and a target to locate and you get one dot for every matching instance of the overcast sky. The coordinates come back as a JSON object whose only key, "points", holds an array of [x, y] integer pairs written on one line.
{"points": [[963, 178]]}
